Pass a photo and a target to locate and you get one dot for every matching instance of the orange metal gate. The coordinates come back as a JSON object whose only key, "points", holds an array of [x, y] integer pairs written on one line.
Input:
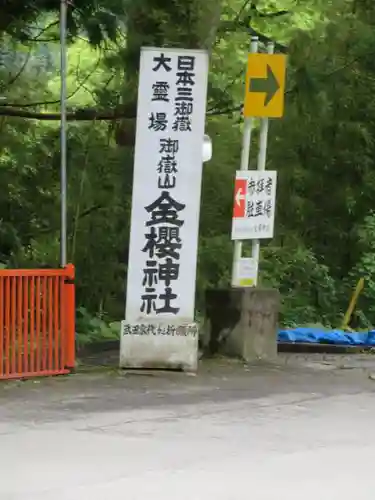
{"points": [[37, 322]]}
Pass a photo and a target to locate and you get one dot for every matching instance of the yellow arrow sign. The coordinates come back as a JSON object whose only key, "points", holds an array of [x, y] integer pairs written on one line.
{"points": [[265, 85]]}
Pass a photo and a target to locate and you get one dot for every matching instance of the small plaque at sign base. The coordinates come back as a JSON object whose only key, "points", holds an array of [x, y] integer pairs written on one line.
{"points": [[159, 345], [245, 273]]}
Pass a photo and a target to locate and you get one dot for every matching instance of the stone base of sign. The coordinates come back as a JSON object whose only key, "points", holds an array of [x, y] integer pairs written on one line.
{"points": [[244, 322], [159, 346]]}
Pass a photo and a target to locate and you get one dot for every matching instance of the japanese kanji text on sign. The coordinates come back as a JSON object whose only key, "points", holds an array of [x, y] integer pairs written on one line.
{"points": [[254, 205], [167, 184]]}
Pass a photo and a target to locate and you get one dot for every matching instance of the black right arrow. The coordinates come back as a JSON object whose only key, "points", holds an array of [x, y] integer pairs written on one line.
{"points": [[269, 85]]}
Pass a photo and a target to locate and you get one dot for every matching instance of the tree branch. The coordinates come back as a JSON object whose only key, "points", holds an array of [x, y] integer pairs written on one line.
{"points": [[37, 38], [273, 14], [127, 112], [46, 103], [40, 40], [229, 27], [90, 210], [226, 111], [93, 114], [14, 78], [244, 22], [78, 115], [241, 11]]}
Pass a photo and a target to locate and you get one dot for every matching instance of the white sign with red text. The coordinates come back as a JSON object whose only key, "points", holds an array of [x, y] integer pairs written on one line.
{"points": [[254, 205]]}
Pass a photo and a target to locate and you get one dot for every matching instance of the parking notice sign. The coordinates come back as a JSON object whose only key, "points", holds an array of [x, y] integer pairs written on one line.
{"points": [[254, 205]]}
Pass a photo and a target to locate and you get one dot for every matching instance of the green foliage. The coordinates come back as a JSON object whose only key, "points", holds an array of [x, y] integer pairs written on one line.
{"points": [[365, 268], [93, 329], [323, 149], [31, 20], [308, 291]]}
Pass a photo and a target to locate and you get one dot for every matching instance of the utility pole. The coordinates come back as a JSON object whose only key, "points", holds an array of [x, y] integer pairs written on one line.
{"points": [[245, 159], [63, 126], [261, 165], [254, 208]]}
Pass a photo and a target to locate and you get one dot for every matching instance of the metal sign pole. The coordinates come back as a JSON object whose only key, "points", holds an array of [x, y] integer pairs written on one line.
{"points": [[245, 157], [63, 126], [261, 165]]}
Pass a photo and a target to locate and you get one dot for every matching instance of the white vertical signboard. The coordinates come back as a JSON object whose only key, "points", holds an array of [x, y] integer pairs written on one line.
{"points": [[165, 208]]}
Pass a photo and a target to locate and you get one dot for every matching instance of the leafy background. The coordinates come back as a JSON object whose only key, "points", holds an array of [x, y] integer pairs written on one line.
{"points": [[323, 149]]}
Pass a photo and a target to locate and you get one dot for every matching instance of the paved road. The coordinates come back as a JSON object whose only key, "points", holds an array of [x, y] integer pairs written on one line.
{"points": [[231, 433]]}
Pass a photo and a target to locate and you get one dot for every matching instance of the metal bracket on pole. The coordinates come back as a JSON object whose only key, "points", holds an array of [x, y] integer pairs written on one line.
{"points": [[245, 158]]}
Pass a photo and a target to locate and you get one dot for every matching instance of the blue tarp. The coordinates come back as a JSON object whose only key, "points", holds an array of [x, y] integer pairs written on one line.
{"points": [[333, 337]]}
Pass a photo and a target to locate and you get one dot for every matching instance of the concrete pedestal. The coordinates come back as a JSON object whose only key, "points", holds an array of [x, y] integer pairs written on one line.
{"points": [[159, 346], [244, 322]]}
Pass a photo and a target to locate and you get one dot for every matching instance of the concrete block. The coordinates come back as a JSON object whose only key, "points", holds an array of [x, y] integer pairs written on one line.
{"points": [[244, 322], [159, 346]]}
